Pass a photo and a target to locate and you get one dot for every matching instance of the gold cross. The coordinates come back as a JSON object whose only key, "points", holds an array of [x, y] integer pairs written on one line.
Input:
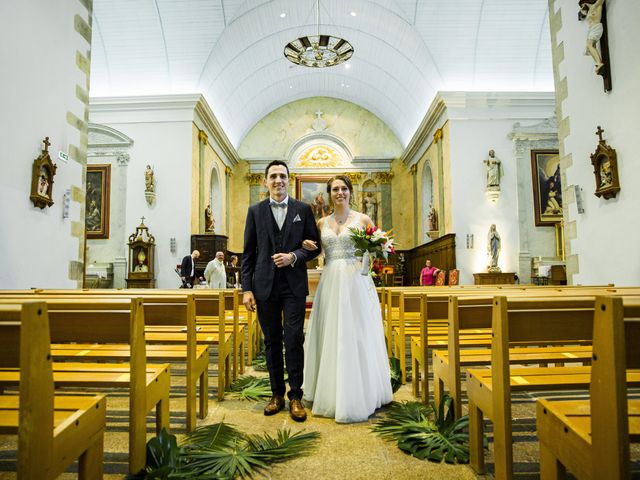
{"points": [[599, 132], [46, 144]]}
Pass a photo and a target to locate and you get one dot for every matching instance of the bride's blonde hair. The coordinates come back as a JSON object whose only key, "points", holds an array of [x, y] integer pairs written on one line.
{"points": [[346, 181]]}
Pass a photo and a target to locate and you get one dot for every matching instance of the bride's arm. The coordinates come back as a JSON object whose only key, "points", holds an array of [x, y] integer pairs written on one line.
{"points": [[310, 245]]}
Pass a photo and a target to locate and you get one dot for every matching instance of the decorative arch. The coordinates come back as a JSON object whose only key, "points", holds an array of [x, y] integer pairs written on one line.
{"points": [[427, 199], [371, 201], [319, 150], [215, 199]]}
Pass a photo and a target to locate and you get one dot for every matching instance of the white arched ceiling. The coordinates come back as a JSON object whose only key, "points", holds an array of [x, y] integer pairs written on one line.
{"points": [[231, 51]]}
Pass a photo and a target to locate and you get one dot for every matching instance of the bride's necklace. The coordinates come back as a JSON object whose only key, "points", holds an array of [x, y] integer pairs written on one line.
{"points": [[340, 222]]}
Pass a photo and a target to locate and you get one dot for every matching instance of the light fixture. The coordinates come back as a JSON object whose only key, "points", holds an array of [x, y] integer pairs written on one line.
{"points": [[318, 51], [353, 14], [282, 15]]}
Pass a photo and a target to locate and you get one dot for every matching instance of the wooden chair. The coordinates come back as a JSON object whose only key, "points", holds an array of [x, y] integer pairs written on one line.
{"points": [[440, 276], [453, 277], [591, 437], [53, 431]]}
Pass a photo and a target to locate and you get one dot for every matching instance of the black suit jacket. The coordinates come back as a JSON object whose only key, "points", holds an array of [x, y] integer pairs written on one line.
{"points": [[258, 269], [185, 268]]}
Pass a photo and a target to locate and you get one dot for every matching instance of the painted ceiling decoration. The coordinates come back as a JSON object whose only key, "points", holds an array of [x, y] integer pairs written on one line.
{"points": [[405, 51]]}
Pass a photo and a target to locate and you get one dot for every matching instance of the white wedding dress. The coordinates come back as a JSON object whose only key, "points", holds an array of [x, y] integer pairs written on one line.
{"points": [[346, 368]]}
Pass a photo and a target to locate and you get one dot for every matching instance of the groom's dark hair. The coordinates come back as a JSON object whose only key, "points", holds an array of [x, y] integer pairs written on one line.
{"points": [[273, 164]]}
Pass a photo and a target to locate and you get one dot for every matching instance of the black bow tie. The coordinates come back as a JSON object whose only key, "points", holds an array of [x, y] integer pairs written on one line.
{"points": [[278, 205]]}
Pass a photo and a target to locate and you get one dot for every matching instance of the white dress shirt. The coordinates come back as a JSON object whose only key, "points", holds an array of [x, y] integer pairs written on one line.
{"points": [[279, 213]]}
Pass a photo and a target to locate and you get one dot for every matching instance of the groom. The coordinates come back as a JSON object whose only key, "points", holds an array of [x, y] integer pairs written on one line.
{"points": [[274, 279]]}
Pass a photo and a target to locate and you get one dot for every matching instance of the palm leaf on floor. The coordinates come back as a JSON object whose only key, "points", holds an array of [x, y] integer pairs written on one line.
{"points": [[396, 374], [243, 457], [249, 387], [427, 433], [221, 452]]}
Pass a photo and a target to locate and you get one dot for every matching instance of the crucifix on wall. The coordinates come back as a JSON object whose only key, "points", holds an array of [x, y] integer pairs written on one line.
{"points": [[595, 14]]}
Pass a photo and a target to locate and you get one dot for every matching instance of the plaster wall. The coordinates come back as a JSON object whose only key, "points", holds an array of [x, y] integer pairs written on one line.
{"points": [[39, 247], [166, 146], [364, 133], [602, 241]]}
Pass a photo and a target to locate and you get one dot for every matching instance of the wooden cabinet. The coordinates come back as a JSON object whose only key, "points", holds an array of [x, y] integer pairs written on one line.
{"points": [[501, 278], [207, 244]]}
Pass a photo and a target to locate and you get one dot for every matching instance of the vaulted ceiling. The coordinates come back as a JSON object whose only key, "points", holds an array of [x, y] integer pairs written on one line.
{"points": [[231, 51]]}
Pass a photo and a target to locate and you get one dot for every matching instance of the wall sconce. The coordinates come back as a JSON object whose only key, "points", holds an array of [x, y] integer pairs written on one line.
{"points": [[469, 240], [172, 245], [66, 201], [579, 200]]}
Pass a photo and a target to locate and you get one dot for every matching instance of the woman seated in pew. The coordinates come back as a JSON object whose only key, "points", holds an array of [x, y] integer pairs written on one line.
{"points": [[428, 274]]}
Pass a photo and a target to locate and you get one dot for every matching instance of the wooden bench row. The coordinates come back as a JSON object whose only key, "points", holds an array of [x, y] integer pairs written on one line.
{"points": [[53, 430]]}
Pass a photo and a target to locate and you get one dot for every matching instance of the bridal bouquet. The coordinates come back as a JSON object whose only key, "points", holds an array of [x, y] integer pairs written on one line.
{"points": [[371, 242]]}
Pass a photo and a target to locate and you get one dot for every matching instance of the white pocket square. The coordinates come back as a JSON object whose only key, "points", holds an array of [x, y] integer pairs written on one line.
{"points": [[297, 219]]}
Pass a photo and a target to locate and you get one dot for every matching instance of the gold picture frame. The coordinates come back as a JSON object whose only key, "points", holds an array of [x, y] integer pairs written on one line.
{"points": [[312, 189], [97, 201], [547, 187]]}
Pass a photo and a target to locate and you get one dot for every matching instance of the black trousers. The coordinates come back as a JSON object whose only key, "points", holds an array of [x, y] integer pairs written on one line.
{"points": [[282, 321]]}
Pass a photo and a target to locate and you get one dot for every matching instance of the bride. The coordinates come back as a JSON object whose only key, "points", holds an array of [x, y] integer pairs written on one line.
{"points": [[346, 369]]}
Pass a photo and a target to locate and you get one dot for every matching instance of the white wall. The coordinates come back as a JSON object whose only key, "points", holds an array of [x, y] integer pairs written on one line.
{"points": [[608, 235], [478, 123], [38, 47], [163, 139]]}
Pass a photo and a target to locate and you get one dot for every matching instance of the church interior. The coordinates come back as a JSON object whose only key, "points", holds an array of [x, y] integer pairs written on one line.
{"points": [[494, 139]]}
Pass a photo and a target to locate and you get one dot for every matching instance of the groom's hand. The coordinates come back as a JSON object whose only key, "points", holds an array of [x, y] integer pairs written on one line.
{"points": [[249, 301], [282, 259]]}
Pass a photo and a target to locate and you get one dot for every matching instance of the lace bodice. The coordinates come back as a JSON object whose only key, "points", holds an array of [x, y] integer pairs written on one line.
{"points": [[337, 246]]}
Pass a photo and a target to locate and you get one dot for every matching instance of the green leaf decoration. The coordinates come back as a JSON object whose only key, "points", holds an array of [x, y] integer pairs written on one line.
{"points": [[430, 433], [249, 387], [215, 436], [396, 374], [222, 452]]}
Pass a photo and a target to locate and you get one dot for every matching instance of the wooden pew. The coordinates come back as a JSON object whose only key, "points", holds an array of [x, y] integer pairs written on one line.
{"points": [[112, 321], [591, 437], [489, 390], [472, 313], [53, 431], [158, 310]]}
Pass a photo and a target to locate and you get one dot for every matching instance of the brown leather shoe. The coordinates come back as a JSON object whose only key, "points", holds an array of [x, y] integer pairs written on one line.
{"points": [[275, 405], [296, 410]]}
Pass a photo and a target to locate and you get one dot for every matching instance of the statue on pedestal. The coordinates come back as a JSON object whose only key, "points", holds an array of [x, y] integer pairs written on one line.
{"points": [[493, 249], [494, 171], [209, 223]]}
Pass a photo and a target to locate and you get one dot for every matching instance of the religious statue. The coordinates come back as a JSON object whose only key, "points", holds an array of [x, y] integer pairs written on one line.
{"points": [[43, 184], [606, 178], [141, 267], [209, 223], [494, 171], [370, 206], [493, 249], [592, 11], [433, 218], [148, 180]]}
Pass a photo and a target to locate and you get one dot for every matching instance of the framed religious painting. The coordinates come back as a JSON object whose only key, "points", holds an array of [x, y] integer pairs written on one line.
{"points": [[312, 189], [97, 201], [547, 187]]}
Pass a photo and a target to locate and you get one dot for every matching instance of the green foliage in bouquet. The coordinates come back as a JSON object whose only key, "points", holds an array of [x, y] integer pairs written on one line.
{"points": [[373, 240], [220, 451], [427, 432]]}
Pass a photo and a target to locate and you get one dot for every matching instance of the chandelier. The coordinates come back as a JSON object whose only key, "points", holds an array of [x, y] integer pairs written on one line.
{"points": [[318, 51]]}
